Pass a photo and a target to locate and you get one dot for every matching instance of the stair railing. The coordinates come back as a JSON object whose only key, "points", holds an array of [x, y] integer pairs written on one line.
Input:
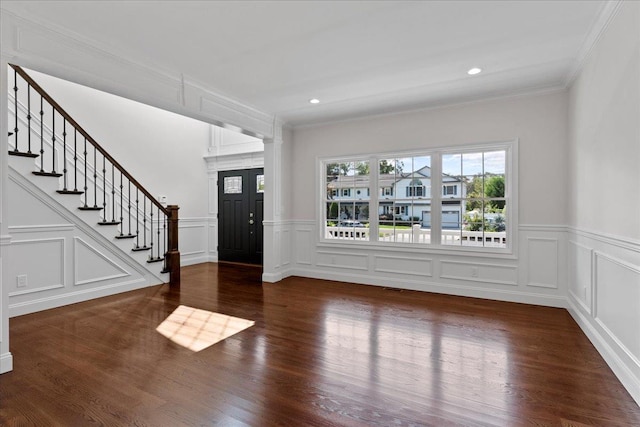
{"points": [[104, 184]]}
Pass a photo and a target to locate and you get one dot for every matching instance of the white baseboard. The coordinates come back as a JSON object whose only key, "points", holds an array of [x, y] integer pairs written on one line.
{"points": [[274, 277], [191, 260], [619, 368], [19, 309], [6, 362], [431, 286]]}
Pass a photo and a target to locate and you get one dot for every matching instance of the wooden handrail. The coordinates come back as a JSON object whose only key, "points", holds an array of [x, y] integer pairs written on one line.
{"points": [[84, 133], [171, 256]]}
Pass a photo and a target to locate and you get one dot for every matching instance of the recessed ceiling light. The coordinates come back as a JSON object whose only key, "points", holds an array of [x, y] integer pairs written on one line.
{"points": [[314, 101], [474, 71]]}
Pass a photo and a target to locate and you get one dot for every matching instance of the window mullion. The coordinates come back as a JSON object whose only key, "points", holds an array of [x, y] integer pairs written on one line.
{"points": [[436, 198], [374, 212]]}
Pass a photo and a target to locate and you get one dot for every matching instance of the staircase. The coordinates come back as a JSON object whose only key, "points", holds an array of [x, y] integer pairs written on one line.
{"points": [[53, 155]]}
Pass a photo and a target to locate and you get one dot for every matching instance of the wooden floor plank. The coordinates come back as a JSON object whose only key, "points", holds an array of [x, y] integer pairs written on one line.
{"points": [[321, 353]]}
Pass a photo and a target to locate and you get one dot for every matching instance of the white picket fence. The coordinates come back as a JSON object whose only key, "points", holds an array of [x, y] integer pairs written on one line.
{"points": [[421, 235]]}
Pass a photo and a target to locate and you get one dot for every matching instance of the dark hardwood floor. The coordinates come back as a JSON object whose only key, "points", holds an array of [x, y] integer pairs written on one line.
{"points": [[320, 354]]}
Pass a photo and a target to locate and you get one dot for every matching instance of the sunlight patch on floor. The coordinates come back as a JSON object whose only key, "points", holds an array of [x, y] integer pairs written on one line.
{"points": [[198, 329]]}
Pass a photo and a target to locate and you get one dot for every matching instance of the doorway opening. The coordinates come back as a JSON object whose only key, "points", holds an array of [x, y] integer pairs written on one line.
{"points": [[240, 215]]}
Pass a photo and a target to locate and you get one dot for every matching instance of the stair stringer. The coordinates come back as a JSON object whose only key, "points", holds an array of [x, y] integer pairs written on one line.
{"points": [[76, 229]]}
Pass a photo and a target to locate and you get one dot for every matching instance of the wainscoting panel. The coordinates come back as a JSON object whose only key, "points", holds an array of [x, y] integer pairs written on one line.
{"points": [[48, 254], [604, 299], [580, 275], [414, 266], [57, 256], [491, 273], [286, 247], [346, 260], [433, 269], [213, 239], [302, 246], [617, 308], [92, 265], [542, 262], [195, 239]]}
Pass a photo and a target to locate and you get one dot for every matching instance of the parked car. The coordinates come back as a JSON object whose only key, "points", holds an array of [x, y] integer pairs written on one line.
{"points": [[350, 223]]}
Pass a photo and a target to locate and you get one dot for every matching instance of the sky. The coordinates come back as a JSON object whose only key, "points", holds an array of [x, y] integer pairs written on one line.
{"points": [[472, 163], [468, 164]]}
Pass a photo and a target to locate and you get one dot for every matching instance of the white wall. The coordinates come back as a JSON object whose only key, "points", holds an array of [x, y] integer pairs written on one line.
{"points": [[162, 150], [62, 53], [604, 202], [59, 252], [533, 273], [538, 121]]}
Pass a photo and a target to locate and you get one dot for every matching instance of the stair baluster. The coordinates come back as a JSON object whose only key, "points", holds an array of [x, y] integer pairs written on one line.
{"points": [[151, 232], [129, 208], [28, 119], [64, 154], [75, 160], [104, 189], [113, 196], [158, 258], [41, 134], [86, 195], [95, 178], [165, 217], [53, 140], [137, 221], [15, 106], [121, 206]]}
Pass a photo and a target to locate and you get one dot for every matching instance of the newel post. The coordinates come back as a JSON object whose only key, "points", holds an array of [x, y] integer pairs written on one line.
{"points": [[173, 254]]}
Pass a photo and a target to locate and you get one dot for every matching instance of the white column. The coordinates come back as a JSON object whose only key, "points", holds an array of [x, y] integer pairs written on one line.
{"points": [[272, 262], [6, 360]]}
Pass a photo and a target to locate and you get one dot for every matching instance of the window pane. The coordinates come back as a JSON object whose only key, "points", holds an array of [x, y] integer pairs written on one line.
{"points": [[494, 162], [347, 208], [260, 183], [404, 195], [482, 225], [452, 164], [232, 184], [472, 191]]}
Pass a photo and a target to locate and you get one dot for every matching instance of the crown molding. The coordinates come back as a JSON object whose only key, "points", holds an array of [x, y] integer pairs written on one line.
{"points": [[608, 12]]}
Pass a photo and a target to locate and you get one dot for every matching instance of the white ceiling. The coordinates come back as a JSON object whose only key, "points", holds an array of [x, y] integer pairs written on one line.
{"points": [[357, 57]]}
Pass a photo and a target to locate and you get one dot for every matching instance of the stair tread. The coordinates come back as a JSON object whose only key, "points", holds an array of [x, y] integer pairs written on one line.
{"points": [[23, 154], [70, 192], [141, 248], [152, 260], [53, 174], [90, 208], [109, 223], [126, 236]]}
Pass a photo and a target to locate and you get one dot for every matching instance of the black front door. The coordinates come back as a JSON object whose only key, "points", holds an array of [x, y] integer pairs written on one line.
{"points": [[240, 210]]}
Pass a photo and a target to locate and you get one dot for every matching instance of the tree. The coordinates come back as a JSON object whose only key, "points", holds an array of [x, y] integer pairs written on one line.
{"points": [[362, 168], [333, 169], [333, 211], [494, 188], [485, 187], [388, 167], [475, 193]]}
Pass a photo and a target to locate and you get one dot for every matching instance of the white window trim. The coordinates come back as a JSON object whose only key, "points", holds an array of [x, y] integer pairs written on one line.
{"points": [[511, 196]]}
